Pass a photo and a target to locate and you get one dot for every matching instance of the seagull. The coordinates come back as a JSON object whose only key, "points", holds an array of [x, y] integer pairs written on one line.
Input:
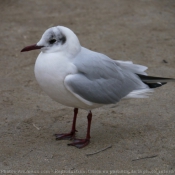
{"points": [[77, 77]]}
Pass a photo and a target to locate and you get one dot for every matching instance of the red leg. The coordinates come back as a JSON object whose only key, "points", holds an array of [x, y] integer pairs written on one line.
{"points": [[70, 135], [80, 143]]}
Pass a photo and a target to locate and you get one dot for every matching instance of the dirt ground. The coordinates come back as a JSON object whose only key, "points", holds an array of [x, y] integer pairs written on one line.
{"points": [[140, 131]]}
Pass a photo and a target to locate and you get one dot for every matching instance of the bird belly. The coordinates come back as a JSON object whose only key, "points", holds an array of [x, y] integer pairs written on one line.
{"points": [[50, 73]]}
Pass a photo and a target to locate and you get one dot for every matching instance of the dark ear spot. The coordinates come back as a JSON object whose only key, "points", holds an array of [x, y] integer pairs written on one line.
{"points": [[62, 39]]}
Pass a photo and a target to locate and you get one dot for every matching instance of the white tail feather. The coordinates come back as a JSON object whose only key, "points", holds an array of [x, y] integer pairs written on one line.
{"points": [[143, 93], [135, 68]]}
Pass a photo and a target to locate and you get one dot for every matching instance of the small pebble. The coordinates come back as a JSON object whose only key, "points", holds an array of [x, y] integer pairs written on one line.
{"points": [[165, 61]]}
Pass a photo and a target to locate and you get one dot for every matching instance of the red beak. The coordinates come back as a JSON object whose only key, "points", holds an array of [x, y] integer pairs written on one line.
{"points": [[32, 47]]}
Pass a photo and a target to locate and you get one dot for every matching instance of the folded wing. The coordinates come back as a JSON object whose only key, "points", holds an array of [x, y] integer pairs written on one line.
{"points": [[100, 80]]}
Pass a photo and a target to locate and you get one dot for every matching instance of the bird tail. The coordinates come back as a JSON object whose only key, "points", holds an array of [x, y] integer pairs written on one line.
{"points": [[135, 68], [154, 82]]}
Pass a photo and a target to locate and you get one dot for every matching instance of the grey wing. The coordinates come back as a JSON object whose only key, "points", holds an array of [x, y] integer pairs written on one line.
{"points": [[100, 79]]}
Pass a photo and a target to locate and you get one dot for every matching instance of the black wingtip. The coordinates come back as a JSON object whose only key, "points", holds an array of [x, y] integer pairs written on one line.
{"points": [[155, 85], [154, 82]]}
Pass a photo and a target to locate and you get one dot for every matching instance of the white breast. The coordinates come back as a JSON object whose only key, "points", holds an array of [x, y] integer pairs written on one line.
{"points": [[50, 72]]}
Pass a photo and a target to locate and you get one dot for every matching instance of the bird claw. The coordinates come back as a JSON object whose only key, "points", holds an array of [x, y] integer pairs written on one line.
{"points": [[66, 136], [79, 143]]}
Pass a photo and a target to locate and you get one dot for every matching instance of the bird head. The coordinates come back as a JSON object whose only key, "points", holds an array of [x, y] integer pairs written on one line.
{"points": [[57, 39]]}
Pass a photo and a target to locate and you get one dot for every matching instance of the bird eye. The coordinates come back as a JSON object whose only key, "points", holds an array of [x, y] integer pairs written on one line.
{"points": [[52, 41]]}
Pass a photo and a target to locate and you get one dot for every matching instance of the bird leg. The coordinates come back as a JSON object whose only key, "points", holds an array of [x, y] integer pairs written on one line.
{"points": [[70, 135], [80, 143]]}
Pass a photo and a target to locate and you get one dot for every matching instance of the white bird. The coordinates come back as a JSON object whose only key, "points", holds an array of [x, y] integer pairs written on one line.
{"points": [[80, 78]]}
